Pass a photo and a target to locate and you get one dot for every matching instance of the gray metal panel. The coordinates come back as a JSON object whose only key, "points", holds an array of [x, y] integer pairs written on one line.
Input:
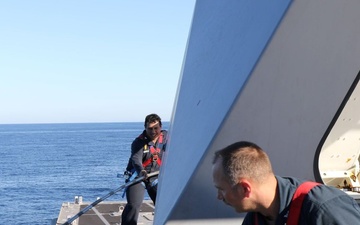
{"points": [[299, 84], [286, 105], [225, 43]]}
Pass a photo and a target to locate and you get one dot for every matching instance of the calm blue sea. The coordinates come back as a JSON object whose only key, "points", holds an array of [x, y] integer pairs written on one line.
{"points": [[44, 165]]}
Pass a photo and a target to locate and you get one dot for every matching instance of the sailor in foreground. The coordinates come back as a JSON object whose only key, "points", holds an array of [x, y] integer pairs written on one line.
{"points": [[243, 176], [146, 154]]}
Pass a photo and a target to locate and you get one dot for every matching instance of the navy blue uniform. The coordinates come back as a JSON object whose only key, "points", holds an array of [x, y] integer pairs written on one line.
{"points": [[323, 205], [141, 153]]}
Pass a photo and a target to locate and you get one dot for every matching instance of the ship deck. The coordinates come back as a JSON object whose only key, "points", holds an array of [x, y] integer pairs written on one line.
{"points": [[104, 213], [109, 212]]}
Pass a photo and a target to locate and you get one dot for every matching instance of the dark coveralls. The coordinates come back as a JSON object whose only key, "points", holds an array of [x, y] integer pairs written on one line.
{"points": [[140, 153], [323, 205]]}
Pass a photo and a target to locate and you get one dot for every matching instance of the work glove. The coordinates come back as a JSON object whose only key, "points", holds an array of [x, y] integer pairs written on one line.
{"points": [[144, 174]]}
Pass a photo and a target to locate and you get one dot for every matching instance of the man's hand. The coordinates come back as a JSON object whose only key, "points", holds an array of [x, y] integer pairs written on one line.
{"points": [[144, 174], [127, 175]]}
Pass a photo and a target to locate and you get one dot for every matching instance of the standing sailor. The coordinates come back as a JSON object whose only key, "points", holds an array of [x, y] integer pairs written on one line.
{"points": [[146, 154]]}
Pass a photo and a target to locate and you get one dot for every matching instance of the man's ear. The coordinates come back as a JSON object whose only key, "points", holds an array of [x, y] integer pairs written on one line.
{"points": [[245, 187]]}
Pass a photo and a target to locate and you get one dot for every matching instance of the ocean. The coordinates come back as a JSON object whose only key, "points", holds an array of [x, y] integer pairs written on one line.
{"points": [[44, 165]]}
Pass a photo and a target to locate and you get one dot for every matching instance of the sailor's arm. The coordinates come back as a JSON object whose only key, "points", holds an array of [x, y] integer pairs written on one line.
{"points": [[137, 155]]}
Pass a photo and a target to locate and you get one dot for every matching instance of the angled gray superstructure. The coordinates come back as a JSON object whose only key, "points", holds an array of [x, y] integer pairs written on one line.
{"points": [[272, 72]]}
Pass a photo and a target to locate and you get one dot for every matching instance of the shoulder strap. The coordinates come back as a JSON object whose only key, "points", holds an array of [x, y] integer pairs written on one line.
{"points": [[297, 200]]}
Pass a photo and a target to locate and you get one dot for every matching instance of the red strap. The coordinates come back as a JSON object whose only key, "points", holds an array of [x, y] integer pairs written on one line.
{"points": [[158, 161], [149, 160], [297, 200]]}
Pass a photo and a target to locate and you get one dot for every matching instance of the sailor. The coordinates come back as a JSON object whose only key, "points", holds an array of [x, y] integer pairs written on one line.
{"points": [[146, 154], [243, 176]]}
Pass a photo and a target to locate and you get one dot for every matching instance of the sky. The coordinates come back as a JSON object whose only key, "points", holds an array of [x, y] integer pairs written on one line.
{"points": [[90, 60]]}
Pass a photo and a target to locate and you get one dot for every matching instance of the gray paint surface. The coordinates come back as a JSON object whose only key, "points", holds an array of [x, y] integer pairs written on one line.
{"points": [[251, 74]]}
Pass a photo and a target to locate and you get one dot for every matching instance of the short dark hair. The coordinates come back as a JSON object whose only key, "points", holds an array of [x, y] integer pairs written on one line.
{"points": [[244, 159], [152, 118]]}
